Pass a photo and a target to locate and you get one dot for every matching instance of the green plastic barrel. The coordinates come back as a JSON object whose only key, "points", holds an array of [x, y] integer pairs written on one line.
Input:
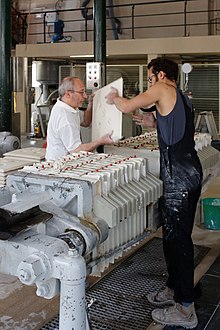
{"points": [[211, 211]]}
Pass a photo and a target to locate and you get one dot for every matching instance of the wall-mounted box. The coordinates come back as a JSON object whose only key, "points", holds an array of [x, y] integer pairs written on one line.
{"points": [[50, 18]]}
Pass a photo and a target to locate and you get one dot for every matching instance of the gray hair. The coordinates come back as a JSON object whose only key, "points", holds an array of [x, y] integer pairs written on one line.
{"points": [[67, 84]]}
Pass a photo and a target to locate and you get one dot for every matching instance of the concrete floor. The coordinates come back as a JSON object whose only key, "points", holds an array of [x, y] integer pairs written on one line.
{"points": [[27, 141], [21, 309]]}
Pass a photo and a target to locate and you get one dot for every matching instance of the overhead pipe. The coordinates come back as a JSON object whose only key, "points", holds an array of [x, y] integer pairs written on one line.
{"points": [[100, 35], [100, 42], [185, 10], [84, 10], [114, 21], [5, 71]]}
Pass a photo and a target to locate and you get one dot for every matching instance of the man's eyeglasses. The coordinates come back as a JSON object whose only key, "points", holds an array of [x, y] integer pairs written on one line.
{"points": [[80, 92], [149, 79]]}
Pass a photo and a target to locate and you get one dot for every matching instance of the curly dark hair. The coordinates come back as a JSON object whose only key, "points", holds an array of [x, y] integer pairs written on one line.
{"points": [[166, 65]]}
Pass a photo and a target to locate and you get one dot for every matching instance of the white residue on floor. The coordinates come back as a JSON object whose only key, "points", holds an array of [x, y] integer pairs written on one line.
{"points": [[7, 322], [8, 284]]}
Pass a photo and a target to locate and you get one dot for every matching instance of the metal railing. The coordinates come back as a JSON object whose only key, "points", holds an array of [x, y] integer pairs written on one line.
{"points": [[136, 20]]}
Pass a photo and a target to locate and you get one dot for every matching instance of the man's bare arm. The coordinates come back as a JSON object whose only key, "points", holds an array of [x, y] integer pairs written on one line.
{"points": [[129, 105], [88, 113], [105, 139]]}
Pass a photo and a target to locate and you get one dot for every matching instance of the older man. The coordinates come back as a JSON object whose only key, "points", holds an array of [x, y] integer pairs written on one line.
{"points": [[63, 133]]}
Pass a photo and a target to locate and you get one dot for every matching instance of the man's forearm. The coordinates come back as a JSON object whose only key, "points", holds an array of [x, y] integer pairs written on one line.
{"points": [[122, 104], [87, 146], [87, 116], [105, 139]]}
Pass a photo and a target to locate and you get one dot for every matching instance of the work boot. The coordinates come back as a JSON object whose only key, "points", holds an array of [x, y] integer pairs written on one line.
{"points": [[164, 297], [176, 315]]}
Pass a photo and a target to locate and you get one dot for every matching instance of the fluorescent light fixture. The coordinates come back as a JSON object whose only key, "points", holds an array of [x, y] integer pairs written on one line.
{"points": [[82, 56], [39, 15]]}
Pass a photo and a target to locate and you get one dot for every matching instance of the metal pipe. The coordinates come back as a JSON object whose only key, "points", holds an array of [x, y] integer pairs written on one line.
{"points": [[100, 35], [24, 29], [49, 97], [100, 42], [5, 70], [44, 27], [112, 20], [86, 29], [185, 7], [71, 272], [132, 19]]}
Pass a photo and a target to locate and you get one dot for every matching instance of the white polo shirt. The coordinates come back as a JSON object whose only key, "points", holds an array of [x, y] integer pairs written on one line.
{"points": [[63, 131]]}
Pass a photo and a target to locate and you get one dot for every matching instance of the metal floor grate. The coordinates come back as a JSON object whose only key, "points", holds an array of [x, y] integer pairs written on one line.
{"points": [[120, 298]]}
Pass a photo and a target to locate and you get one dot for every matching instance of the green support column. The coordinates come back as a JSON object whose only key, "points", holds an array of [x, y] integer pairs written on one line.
{"points": [[5, 62], [99, 17], [100, 35]]}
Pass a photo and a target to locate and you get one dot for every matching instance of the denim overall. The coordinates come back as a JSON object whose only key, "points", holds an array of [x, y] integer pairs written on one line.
{"points": [[181, 173]]}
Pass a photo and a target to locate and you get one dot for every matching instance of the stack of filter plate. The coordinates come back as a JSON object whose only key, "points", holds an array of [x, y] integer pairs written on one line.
{"points": [[10, 166], [31, 153], [17, 159], [210, 160]]}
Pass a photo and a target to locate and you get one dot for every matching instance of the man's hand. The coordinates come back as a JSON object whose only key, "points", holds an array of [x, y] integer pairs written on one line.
{"points": [[90, 101], [138, 119], [106, 139], [147, 119], [88, 113], [112, 95]]}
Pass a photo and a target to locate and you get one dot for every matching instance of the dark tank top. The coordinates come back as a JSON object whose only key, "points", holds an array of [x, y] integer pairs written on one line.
{"points": [[180, 167], [172, 126]]}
